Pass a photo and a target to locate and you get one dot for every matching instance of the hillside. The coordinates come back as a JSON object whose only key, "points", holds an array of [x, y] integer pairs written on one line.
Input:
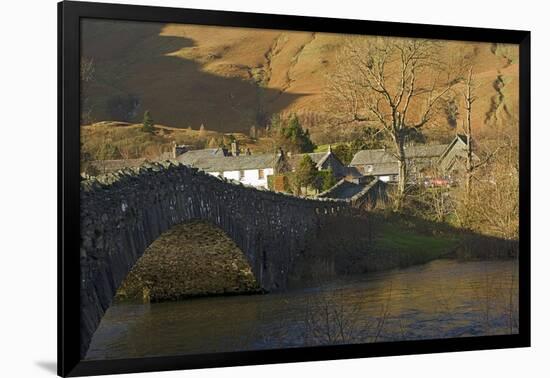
{"points": [[121, 140], [229, 79]]}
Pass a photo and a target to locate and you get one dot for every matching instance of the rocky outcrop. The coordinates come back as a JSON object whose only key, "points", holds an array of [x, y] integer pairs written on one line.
{"points": [[498, 109]]}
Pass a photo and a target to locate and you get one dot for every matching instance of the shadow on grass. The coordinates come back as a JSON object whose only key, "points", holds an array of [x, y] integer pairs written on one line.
{"points": [[377, 241], [137, 67]]}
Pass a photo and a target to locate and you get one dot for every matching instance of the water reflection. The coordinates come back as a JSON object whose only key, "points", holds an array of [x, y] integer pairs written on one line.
{"points": [[444, 298]]}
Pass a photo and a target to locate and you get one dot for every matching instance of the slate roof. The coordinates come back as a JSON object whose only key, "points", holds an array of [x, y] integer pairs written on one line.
{"points": [[384, 169], [318, 158], [353, 172], [425, 151], [346, 190], [215, 163], [190, 157], [376, 157], [372, 157]]}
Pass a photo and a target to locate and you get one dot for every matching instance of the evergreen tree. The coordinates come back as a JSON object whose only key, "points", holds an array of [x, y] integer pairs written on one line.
{"points": [[328, 179], [306, 172], [148, 124], [292, 136]]}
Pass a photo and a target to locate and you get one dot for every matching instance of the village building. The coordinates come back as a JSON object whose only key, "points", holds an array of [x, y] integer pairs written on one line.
{"points": [[254, 169], [192, 156], [246, 168], [422, 161], [323, 162]]}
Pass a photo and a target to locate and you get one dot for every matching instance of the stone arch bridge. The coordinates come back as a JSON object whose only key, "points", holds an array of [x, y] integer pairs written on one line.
{"points": [[122, 213]]}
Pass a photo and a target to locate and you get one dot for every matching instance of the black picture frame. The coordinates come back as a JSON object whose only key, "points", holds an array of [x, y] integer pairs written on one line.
{"points": [[69, 16]]}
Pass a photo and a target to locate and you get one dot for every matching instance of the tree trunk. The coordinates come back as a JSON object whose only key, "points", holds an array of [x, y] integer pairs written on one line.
{"points": [[469, 167], [468, 129], [402, 178]]}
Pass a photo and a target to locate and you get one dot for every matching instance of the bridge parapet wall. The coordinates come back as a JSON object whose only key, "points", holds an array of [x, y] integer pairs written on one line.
{"points": [[122, 213]]}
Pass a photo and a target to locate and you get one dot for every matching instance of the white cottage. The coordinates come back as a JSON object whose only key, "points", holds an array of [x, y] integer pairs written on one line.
{"points": [[249, 169]]}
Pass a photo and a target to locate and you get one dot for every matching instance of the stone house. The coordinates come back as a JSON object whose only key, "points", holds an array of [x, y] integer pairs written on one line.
{"points": [[422, 161], [323, 161], [248, 169]]}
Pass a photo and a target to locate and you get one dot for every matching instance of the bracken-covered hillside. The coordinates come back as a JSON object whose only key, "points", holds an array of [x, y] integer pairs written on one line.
{"points": [[229, 79]]}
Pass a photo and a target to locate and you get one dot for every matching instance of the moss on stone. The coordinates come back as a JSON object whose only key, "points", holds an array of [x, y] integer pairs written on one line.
{"points": [[191, 259]]}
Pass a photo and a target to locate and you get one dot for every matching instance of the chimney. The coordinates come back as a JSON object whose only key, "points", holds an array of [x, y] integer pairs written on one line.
{"points": [[174, 151], [329, 148], [234, 148]]}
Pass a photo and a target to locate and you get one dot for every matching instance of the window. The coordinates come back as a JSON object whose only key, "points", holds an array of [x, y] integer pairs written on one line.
{"points": [[260, 174], [241, 175]]}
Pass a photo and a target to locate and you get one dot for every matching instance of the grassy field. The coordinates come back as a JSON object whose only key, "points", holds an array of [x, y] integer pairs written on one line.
{"points": [[412, 247], [397, 241]]}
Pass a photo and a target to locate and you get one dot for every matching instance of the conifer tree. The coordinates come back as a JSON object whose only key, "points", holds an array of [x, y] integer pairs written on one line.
{"points": [[148, 124]]}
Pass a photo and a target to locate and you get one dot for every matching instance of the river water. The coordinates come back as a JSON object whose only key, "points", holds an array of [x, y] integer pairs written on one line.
{"points": [[444, 298]]}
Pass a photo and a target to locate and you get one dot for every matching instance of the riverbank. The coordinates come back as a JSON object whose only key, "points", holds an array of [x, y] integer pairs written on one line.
{"points": [[397, 241], [410, 240], [389, 242], [189, 260]]}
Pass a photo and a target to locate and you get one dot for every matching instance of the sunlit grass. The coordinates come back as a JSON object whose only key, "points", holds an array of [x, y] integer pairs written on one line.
{"points": [[414, 247]]}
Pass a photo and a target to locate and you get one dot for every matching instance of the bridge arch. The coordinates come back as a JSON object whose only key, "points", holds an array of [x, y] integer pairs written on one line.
{"points": [[121, 214], [190, 259]]}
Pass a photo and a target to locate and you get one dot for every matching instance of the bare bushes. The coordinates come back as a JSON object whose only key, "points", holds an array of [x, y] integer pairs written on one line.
{"points": [[331, 319], [492, 206]]}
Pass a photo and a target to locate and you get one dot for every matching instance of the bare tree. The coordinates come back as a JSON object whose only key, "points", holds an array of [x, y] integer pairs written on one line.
{"points": [[472, 163], [125, 150], [492, 206], [395, 84], [469, 99]]}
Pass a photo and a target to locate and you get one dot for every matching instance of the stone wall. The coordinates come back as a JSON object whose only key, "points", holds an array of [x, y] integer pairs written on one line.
{"points": [[191, 259], [122, 213]]}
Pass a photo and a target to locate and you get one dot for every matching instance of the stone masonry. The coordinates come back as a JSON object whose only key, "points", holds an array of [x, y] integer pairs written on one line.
{"points": [[122, 213]]}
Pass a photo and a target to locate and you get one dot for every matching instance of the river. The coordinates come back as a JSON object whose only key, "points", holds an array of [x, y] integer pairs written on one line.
{"points": [[444, 298]]}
